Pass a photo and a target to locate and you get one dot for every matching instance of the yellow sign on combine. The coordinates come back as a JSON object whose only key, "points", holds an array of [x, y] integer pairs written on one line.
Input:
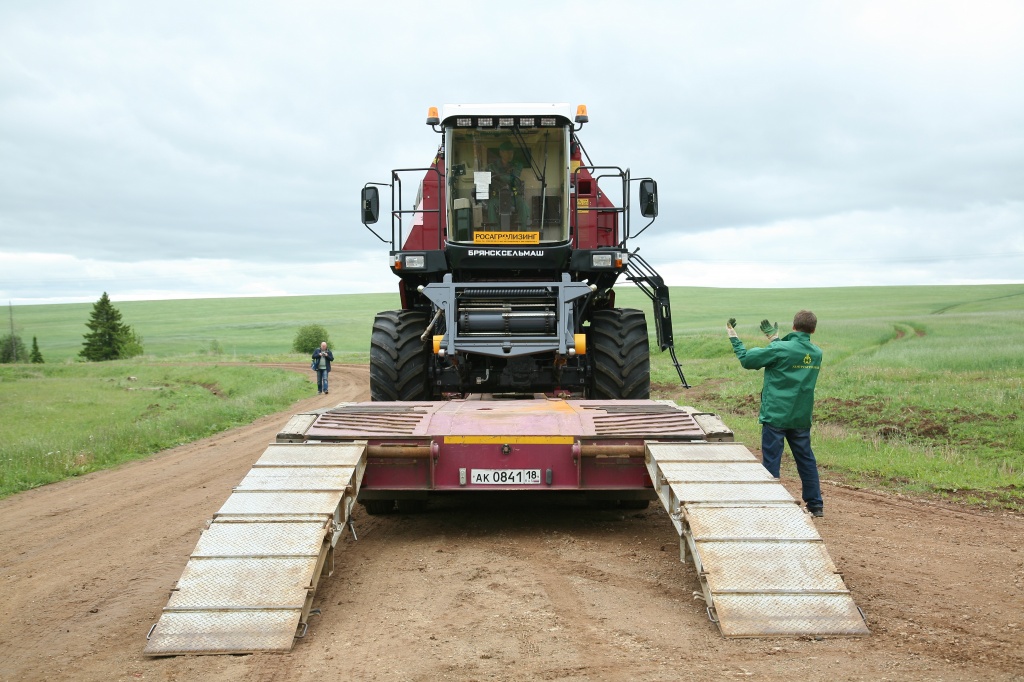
{"points": [[506, 237]]}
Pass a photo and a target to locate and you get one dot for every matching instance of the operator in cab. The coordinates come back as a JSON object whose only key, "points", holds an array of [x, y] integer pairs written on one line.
{"points": [[507, 205]]}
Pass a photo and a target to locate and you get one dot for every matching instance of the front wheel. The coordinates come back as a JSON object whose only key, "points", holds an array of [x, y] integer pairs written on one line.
{"points": [[620, 355], [398, 359]]}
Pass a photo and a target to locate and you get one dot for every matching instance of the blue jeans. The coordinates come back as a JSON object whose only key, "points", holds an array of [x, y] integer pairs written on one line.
{"points": [[321, 380], [772, 442]]}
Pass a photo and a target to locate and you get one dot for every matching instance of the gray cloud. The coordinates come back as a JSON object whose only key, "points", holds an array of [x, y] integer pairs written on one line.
{"points": [[225, 136]]}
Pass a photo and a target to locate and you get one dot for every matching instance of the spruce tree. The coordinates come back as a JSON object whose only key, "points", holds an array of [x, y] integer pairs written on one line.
{"points": [[108, 338], [36, 356]]}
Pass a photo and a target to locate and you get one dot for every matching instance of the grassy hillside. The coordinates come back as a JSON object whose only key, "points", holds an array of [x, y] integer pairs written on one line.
{"points": [[921, 387], [242, 328]]}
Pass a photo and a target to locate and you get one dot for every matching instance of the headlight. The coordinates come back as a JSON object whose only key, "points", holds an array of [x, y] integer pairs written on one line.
{"points": [[415, 261], [602, 260]]}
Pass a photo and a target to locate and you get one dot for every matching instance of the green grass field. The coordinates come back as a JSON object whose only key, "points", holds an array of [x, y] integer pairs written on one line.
{"points": [[921, 387]]}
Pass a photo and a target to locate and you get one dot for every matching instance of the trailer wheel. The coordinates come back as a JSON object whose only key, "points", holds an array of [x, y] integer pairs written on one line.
{"points": [[620, 355], [379, 507], [398, 359], [412, 506]]}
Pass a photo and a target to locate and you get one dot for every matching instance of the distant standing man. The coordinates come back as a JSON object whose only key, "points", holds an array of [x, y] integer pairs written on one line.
{"points": [[322, 359], [791, 366]]}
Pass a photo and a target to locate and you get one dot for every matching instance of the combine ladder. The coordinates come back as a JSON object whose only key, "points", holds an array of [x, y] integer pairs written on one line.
{"points": [[763, 568], [249, 583]]}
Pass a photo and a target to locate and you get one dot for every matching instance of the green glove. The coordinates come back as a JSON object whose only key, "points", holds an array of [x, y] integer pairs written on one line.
{"points": [[730, 328], [770, 330]]}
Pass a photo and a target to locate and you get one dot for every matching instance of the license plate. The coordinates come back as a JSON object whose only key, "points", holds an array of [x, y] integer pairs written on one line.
{"points": [[504, 476]]}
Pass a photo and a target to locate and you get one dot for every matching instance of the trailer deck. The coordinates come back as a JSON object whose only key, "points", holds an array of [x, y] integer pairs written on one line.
{"points": [[249, 585]]}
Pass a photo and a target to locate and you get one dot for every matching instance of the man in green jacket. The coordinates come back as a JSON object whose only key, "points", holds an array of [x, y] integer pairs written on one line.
{"points": [[791, 366]]}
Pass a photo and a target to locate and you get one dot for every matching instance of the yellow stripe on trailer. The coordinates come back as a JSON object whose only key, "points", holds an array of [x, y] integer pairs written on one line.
{"points": [[511, 440]]}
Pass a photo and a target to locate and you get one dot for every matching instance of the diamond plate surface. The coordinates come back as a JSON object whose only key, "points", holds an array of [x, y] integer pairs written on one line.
{"points": [[713, 426], [261, 539], [700, 452], [297, 478], [297, 426], [766, 615], [223, 633], [280, 503], [776, 522], [311, 454], [768, 566], [731, 492], [243, 583], [715, 472]]}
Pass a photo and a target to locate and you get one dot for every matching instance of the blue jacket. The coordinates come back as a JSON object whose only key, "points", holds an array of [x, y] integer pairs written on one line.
{"points": [[316, 358]]}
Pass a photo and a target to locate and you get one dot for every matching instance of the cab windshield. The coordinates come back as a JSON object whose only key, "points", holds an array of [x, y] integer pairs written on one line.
{"points": [[507, 185]]}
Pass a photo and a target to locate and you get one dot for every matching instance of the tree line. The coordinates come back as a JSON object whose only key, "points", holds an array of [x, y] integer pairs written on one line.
{"points": [[108, 338]]}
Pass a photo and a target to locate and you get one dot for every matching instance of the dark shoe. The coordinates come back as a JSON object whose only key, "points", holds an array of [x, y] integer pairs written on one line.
{"points": [[326, 392], [816, 513]]}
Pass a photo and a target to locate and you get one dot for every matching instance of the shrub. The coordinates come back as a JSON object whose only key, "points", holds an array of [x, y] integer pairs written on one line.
{"points": [[12, 349], [308, 338]]}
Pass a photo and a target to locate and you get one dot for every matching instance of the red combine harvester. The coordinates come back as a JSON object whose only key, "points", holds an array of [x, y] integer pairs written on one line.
{"points": [[508, 367], [507, 258]]}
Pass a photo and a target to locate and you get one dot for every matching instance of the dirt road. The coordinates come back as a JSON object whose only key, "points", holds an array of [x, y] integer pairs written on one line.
{"points": [[491, 590]]}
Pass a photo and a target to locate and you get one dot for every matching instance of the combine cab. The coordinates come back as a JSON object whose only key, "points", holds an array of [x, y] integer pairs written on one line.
{"points": [[508, 367]]}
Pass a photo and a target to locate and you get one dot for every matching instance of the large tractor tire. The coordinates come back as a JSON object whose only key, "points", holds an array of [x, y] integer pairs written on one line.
{"points": [[398, 359], [620, 355]]}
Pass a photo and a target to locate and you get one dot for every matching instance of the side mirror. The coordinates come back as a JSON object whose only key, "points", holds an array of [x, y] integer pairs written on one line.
{"points": [[649, 198], [370, 205]]}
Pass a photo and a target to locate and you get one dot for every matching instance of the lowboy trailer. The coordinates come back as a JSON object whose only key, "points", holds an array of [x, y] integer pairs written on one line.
{"points": [[762, 567], [507, 367]]}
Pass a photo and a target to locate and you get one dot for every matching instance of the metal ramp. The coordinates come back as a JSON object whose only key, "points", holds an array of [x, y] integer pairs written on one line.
{"points": [[250, 581], [763, 568]]}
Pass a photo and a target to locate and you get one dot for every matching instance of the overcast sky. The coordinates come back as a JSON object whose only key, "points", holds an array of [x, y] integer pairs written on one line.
{"points": [[186, 149]]}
